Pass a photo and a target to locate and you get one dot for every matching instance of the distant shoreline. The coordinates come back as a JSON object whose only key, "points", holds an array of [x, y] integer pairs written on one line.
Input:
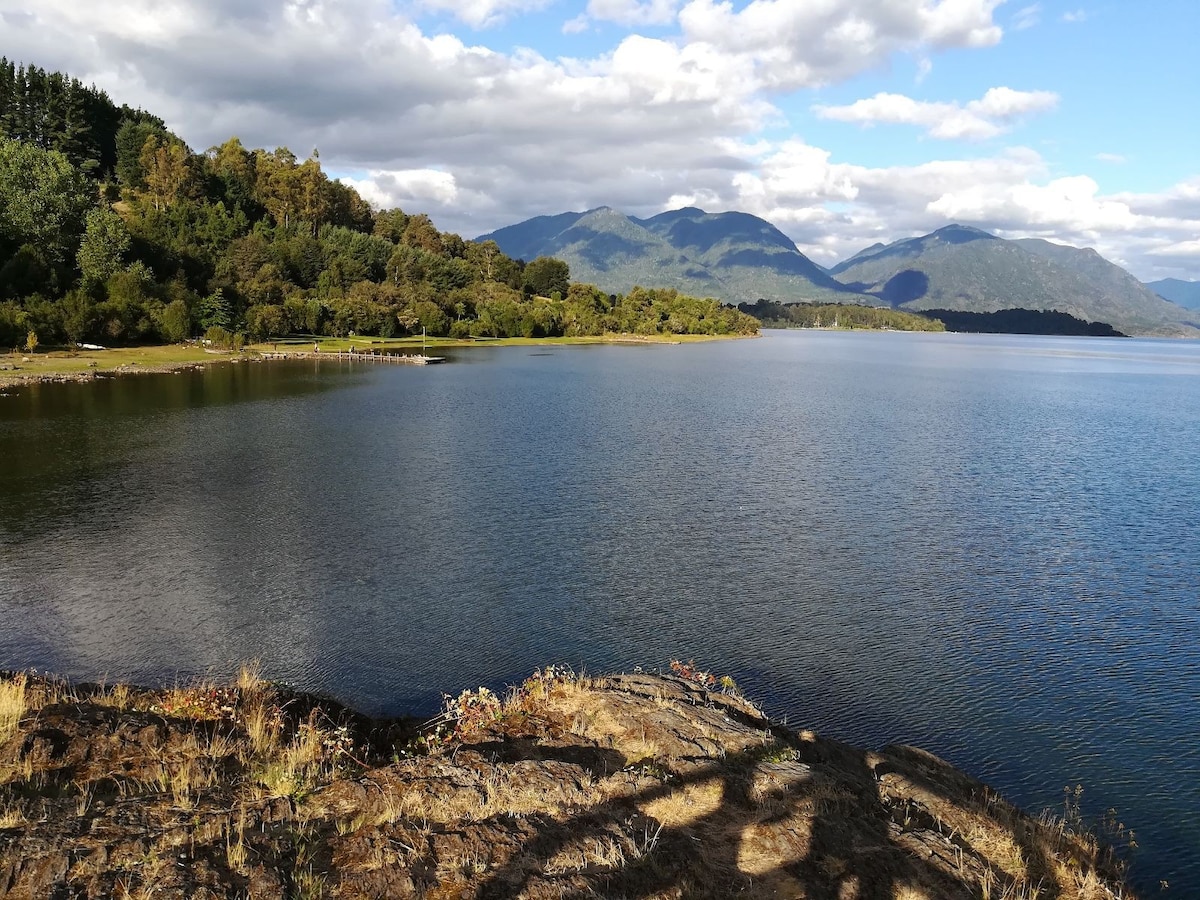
{"points": [[19, 370]]}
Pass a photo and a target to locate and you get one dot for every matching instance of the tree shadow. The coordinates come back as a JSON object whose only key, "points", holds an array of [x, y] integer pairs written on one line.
{"points": [[790, 818]]}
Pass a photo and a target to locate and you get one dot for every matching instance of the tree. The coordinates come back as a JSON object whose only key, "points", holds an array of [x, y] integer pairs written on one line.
{"points": [[175, 323], [105, 243], [43, 200], [130, 140], [546, 275], [78, 315], [166, 170], [214, 310]]}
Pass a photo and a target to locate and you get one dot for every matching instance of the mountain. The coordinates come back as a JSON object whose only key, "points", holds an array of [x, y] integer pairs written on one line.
{"points": [[731, 256], [1184, 293], [963, 268]]}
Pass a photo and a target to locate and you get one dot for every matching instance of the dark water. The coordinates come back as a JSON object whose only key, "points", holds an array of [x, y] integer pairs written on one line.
{"points": [[986, 546]]}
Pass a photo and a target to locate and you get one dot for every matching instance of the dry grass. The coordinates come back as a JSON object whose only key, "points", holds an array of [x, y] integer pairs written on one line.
{"points": [[13, 703], [21, 770], [236, 853], [688, 805], [249, 679], [150, 876], [392, 807], [11, 817], [293, 770], [119, 696], [589, 855]]}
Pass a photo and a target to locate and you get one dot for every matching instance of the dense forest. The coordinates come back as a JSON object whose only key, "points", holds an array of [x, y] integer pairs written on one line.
{"points": [[113, 231], [1020, 321], [837, 315]]}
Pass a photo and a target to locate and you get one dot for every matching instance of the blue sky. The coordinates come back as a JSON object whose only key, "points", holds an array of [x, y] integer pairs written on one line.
{"points": [[844, 122]]}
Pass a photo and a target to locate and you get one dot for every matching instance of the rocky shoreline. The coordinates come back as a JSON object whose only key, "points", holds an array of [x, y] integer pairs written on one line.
{"points": [[12, 377], [623, 786]]}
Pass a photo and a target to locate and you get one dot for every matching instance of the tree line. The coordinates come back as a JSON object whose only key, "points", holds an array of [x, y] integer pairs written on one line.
{"points": [[1021, 321], [112, 230], [837, 315]]}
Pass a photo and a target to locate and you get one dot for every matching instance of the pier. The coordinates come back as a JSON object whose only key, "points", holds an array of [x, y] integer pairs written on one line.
{"points": [[404, 359]]}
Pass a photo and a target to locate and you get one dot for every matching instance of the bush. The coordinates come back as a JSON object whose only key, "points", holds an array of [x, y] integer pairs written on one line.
{"points": [[219, 337]]}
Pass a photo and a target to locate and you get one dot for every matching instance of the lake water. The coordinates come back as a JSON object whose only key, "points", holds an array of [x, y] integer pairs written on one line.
{"points": [[987, 546]]}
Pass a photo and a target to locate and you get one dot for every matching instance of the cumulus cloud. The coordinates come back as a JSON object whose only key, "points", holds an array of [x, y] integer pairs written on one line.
{"points": [[479, 138], [987, 117], [833, 209], [793, 45]]}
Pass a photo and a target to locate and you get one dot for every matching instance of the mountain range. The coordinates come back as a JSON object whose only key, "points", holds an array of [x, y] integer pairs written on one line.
{"points": [[1184, 293], [737, 257], [731, 256]]}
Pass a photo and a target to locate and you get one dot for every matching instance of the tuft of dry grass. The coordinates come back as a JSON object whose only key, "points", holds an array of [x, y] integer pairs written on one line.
{"points": [[588, 855], [236, 852], [689, 804], [119, 696], [13, 703], [249, 678], [11, 817], [293, 770]]}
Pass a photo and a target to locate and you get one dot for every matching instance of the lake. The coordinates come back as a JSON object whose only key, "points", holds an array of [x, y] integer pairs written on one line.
{"points": [[988, 546]]}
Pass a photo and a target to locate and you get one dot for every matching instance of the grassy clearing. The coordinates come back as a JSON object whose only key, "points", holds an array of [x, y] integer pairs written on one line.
{"points": [[20, 368], [16, 368], [411, 344]]}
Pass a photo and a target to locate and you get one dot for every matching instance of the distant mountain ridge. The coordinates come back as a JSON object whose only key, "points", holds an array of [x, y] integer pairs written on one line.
{"points": [[731, 256], [1184, 293], [966, 269], [739, 258]]}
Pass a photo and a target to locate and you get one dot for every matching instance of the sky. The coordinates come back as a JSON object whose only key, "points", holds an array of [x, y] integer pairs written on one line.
{"points": [[842, 122]]}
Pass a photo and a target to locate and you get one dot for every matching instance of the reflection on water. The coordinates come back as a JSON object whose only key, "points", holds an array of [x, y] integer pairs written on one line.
{"points": [[981, 545]]}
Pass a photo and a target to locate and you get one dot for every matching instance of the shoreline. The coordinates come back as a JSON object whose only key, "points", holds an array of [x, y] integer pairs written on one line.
{"points": [[18, 370]]}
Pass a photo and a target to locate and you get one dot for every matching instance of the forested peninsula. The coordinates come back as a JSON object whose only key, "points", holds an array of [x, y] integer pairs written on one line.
{"points": [[838, 315], [113, 231]]}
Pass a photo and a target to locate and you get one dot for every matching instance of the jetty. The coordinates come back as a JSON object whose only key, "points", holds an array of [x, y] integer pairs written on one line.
{"points": [[376, 356]]}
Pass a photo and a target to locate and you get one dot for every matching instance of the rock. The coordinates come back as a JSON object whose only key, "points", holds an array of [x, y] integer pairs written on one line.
{"points": [[629, 786]]}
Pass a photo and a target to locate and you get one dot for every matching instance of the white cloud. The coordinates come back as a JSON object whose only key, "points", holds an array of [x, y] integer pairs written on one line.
{"points": [[480, 139], [793, 45], [1114, 158], [408, 187], [1027, 17], [987, 117], [633, 12], [483, 13], [1074, 17], [576, 25], [833, 209]]}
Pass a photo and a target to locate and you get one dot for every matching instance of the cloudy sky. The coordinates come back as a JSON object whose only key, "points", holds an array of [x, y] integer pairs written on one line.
{"points": [[844, 122]]}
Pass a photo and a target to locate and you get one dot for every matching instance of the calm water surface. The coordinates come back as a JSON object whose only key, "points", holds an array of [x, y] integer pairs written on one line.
{"points": [[987, 546]]}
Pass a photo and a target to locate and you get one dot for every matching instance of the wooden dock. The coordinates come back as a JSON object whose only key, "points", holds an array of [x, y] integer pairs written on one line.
{"points": [[366, 356]]}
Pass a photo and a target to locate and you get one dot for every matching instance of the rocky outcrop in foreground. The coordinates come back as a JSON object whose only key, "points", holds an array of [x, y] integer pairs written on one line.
{"points": [[626, 786]]}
